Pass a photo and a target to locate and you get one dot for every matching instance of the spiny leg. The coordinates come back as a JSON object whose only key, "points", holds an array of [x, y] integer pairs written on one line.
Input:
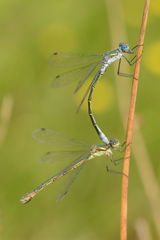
{"points": [[116, 161], [114, 171], [130, 62], [132, 50], [122, 74], [138, 45], [122, 147]]}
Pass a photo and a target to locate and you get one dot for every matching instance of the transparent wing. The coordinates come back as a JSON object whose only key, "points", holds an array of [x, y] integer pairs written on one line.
{"points": [[53, 156], [84, 97], [79, 75], [87, 91], [71, 180], [59, 141], [69, 184], [82, 80], [66, 60]]}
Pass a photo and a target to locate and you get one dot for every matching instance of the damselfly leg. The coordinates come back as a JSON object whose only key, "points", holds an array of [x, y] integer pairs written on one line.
{"points": [[114, 171], [129, 61], [78, 67], [60, 145]]}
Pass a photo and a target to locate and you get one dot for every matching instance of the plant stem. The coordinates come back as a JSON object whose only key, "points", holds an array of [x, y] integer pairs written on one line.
{"points": [[130, 124]]}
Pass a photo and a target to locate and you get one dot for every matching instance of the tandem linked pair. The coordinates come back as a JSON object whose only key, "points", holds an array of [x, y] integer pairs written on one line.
{"points": [[78, 67]]}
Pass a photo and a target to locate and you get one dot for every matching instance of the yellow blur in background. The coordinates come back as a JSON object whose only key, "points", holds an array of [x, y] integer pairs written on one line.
{"points": [[102, 97], [30, 32]]}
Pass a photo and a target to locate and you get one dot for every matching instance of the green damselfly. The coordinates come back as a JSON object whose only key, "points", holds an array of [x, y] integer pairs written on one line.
{"points": [[67, 149]]}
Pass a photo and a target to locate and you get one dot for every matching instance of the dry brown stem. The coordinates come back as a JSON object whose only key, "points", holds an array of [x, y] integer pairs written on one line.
{"points": [[130, 124]]}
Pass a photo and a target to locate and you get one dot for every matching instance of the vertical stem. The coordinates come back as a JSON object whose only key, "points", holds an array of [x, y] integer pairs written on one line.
{"points": [[129, 134]]}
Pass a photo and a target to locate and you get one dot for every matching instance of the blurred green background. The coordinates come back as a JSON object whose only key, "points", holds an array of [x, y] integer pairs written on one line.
{"points": [[30, 32]]}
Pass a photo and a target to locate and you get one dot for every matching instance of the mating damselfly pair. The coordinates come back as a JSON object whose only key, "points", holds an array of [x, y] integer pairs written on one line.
{"points": [[80, 68]]}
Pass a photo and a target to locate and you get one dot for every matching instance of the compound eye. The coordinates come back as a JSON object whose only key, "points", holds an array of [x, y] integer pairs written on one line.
{"points": [[113, 141], [124, 47]]}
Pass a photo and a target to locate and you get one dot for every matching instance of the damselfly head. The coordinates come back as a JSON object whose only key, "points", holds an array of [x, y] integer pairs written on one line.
{"points": [[124, 47], [114, 143]]}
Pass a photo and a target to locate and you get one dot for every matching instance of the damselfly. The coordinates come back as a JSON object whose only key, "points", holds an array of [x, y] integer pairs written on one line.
{"points": [[68, 149], [78, 67]]}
